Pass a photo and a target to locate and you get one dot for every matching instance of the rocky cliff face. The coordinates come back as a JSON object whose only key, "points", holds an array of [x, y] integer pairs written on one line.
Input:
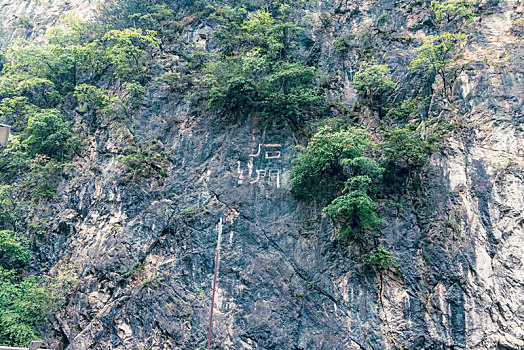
{"points": [[30, 20], [145, 248]]}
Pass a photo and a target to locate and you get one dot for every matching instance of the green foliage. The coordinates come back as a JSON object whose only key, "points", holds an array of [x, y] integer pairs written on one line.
{"points": [[319, 168], [15, 110], [25, 302], [333, 160], [175, 81], [408, 109], [519, 22], [145, 163], [373, 82], [14, 160], [24, 22], [343, 42], [22, 306], [92, 98], [122, 14], [14, 251], [46, 71], [19, 299], [291, 92], [355, 210], [135, 94], [410, 147], [406, 147], [438, 53], [452, 9], [48, 134], [130, 52], [43, 177], [255, 70], [12, 209], [380, 258]]}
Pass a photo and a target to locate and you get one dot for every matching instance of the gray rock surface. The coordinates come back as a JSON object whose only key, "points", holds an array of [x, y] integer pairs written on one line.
{"points": [[145, 247], [31, 19]]}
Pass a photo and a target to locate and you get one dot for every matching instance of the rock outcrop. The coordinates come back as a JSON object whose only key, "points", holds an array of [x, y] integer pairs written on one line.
{"points": [[145, 248], [30, 20]]}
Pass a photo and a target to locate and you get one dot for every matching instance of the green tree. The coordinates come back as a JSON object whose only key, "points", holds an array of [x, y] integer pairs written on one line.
{"points": [[48, 134], [12, 209], [319, 168], [449, 10], [406, 147], [14, 251], [14, 159], [372, 81], [97, 103], [255, 70], [409, 108], [130, 52], [334, 166], [356, 209], [15, 110], [25, 301], [438, 53]]}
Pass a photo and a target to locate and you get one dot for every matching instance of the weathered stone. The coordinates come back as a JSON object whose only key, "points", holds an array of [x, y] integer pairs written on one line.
{"points": [[145, 248]]}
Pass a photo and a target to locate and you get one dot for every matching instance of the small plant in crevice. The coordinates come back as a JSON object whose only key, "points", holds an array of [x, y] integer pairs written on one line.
{"points": [[344, 42], [379, 258], [144, 162], [408, 109], [310, 284]]}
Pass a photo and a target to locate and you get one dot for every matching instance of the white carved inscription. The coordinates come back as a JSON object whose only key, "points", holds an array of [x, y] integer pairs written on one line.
{"points": [[263, 165]]}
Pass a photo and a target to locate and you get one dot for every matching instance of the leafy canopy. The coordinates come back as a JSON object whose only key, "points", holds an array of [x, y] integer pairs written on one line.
{"points": [[437, 54], [438, 51], [452, 9], [372, 80], [319, 168], [47, 133], [256, 70], [14, 251], [334, 160]]}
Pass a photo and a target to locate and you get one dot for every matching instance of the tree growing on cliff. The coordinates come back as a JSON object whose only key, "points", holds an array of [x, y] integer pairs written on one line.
{"points": [[47, 133], [373, 82], [256, 71], [438, 53], [26, 301], [449, 10], [333, 166]]}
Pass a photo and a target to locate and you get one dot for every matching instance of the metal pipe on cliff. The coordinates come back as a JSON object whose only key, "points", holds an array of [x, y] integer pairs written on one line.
{"points": [[219, 229]]}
